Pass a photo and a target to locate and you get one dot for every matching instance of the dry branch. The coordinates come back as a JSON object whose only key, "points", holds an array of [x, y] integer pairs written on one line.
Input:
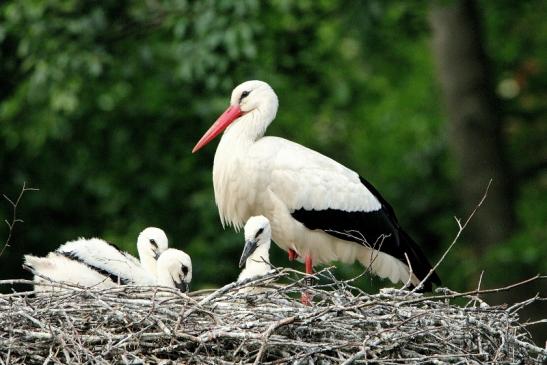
{"points": [[14, 219], [234, 325]]}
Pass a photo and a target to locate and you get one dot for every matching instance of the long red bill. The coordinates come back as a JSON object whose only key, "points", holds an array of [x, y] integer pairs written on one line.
{"points": [[231, 114]]}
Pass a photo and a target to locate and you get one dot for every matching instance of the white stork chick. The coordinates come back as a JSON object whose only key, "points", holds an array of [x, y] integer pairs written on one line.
{"points": [[318, 209], [100, 254], [108, 260], [151, 243], [58, 268], [256, 253], [95, 262], [174, 269]]}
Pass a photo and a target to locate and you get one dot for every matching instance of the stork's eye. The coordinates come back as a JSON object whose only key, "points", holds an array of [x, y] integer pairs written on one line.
{"points": [[184, 270], [153, 242], [244, 95], [259, 232]]}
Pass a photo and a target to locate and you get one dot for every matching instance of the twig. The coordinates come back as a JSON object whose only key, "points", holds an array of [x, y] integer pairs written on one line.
{"points": [[14, 220], [268, 333], [460, 230], [410, 273], [478, 292]]}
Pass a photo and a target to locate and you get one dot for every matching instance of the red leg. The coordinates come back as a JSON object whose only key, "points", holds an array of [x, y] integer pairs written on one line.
{"points": [[292, 255], [309, 266], [306, 297]]}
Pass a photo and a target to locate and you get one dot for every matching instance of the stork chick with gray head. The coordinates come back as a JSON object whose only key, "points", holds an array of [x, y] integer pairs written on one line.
{"points": [[256, 256]]}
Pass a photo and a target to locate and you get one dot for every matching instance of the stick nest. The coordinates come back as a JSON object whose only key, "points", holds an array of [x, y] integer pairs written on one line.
{"points": [[239, 324]]}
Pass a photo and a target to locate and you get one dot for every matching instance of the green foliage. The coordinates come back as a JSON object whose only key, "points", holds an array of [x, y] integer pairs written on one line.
{"points": [[102, 102]]}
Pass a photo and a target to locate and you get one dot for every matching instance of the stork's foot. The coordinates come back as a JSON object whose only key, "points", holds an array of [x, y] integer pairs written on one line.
{"points": [[309, 280], [292, 255], [306, 298]]}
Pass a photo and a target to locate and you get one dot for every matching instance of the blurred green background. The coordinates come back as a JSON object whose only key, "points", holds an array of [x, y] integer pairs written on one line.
{"points": [[102, 102]]}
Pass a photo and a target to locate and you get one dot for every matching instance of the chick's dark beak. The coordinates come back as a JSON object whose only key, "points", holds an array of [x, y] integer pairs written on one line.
{"points": [[183, 286], [250, 247]]}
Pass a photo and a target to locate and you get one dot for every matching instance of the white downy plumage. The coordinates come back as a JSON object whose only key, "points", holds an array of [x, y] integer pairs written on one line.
{"points": [[89, 262], [151, 243], [306, 196], [97, 263], [256, 255], [60, 269], [109, 259], [175, 269]]}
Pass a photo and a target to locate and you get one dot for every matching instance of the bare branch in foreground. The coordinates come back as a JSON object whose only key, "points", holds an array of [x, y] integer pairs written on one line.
{"points": [[460, 230], [14, 220]]}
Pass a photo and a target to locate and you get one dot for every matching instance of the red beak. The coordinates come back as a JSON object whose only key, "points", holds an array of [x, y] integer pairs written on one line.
{"points": [[231, 114]]}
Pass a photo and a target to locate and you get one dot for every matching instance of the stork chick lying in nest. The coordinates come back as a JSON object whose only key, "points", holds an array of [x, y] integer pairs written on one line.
{"points": [[97, 263]]}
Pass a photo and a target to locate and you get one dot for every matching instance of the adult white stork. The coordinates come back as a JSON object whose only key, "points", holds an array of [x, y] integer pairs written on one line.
{"points": [[318, 209]]}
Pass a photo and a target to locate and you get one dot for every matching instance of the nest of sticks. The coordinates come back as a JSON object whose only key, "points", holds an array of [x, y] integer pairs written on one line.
{"points": [[259, 321]]}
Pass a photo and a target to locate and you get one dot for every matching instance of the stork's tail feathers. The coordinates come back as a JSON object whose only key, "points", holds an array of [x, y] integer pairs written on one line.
{"points": [[420, 265]]}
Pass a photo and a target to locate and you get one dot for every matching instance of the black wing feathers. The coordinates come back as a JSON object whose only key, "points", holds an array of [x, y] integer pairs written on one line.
{"points": [[377, 229], [115, 278]]}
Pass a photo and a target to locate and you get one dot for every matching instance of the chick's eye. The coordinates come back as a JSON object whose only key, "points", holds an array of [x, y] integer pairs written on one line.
{"points": [[244, 95], [153, 242], [259, 232], [184, 270]]}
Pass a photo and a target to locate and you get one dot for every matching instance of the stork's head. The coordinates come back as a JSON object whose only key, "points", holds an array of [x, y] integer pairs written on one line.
{"points": [[257, 235], [175, 269], [254, 94], [255, 98], [151, 243]]}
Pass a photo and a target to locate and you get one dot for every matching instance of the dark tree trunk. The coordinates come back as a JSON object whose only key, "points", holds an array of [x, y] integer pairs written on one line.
{"points": [[474, 120]]}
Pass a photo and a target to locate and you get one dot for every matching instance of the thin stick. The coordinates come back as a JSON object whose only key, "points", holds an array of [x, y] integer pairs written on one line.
{"points": [[268, 333], [460, 230], [478, 292], [14, 220]]}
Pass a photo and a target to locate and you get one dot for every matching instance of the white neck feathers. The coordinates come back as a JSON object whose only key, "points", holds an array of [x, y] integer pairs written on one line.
{"points": [[258, 263]]}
